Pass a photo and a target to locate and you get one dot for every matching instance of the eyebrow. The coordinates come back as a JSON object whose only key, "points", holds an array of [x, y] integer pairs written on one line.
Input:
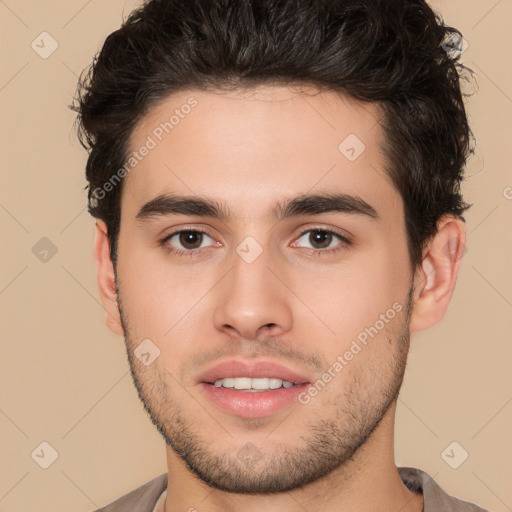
{"points": [[312, 204]]}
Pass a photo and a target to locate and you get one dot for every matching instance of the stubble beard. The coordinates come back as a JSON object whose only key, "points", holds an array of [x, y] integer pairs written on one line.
{"points": [[327, 443]]}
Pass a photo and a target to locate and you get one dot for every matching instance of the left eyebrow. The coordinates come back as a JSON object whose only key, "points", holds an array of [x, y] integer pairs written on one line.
{"points": [[324, 203], [313, 204]]}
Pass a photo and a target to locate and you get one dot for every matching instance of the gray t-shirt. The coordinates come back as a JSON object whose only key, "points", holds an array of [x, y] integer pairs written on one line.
{"points": [[150, 497]]}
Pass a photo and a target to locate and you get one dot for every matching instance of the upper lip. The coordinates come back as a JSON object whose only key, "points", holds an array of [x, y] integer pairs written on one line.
{"points": [[252, 369]]}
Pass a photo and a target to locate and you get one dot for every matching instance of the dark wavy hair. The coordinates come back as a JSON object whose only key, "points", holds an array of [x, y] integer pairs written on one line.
{"points": [[396, 53]]}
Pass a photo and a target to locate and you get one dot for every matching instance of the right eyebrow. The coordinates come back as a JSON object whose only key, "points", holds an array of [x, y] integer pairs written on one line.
{"points": [[182, 205]]}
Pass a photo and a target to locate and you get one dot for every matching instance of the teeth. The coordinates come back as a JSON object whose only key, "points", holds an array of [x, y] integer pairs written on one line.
{"points": [[258, 384]]}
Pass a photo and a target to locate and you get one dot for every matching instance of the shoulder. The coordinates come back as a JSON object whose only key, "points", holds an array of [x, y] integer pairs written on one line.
{"points": [[435, 498], [142, 499]]}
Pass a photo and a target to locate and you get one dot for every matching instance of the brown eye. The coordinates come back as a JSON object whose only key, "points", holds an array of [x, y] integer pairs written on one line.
{"points": [[321, 240], [186, 241], [190, 239]]}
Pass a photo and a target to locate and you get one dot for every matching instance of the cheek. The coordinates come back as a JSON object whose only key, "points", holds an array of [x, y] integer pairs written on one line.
{"points": [[158, 302], [164, 303], [350, 297]]}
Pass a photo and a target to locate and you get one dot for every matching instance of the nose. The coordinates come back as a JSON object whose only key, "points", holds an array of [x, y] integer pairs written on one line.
{"points": [[253, 301]]}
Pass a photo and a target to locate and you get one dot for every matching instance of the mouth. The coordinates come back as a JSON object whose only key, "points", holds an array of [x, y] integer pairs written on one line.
{"points": [[252, 389], [255, 385], [252, 403], [256, 375]]}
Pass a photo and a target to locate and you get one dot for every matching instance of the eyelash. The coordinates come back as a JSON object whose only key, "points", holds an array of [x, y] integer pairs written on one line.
{"points": [[345, 242]]}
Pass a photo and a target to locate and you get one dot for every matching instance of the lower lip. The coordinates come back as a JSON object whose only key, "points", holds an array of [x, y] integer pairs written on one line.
{"points": [[252, 404]]}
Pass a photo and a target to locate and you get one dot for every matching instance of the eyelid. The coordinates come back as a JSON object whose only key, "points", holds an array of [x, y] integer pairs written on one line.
{"points": [[336, 231], [172, 234], [342, 236]]}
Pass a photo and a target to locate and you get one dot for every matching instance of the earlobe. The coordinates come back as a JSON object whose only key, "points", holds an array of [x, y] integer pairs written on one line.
{"points": [[106, 278], [436, 277]]}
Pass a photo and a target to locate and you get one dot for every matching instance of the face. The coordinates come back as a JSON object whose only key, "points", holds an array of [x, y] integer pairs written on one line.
{"points": [[297, 256]]}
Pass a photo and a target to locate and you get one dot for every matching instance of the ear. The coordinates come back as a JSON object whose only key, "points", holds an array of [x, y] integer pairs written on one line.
{"points": [[106, 279], [435, 278]]}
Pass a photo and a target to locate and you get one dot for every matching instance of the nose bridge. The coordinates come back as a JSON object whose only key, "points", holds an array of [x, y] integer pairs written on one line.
{"points": [[251, 265], [252, 296]]}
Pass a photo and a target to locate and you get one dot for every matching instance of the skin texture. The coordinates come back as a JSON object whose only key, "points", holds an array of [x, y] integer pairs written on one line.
{"points": [[299, 303]]}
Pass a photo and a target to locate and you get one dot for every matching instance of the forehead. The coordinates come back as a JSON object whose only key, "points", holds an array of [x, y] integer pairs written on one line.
{"points": [[253, 147]]}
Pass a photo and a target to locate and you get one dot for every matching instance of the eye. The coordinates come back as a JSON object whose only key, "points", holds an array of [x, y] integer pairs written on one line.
{"points": [[321, 240], [186, 241]]}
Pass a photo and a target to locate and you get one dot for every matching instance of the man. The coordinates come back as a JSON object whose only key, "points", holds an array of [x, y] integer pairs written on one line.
{"points": [[277, 191]]}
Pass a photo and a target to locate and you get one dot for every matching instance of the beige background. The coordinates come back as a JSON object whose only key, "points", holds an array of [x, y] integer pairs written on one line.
{"points": [[64, 377]]}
